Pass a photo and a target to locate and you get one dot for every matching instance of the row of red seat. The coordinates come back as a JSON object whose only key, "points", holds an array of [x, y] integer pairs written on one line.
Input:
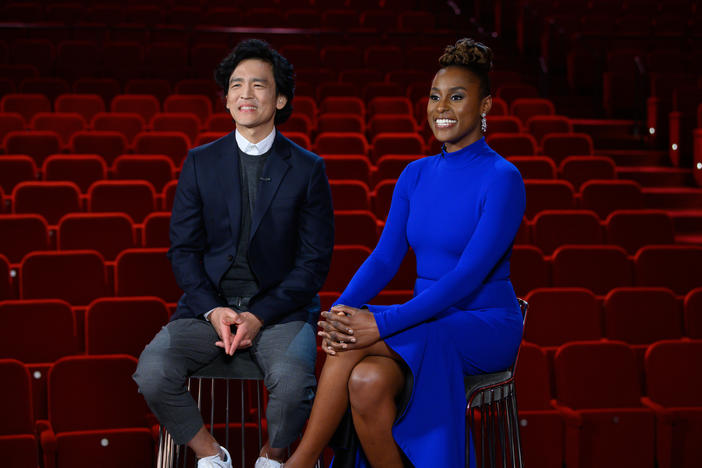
{"points": [[80, 276], [138, 198], [621, 421], [111, 233]]}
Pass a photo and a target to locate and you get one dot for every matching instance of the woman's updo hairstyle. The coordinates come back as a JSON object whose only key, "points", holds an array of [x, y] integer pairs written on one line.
{"points": [[472, 55]]}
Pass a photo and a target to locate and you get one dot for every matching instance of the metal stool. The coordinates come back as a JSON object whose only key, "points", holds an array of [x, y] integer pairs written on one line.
{"points": [[238, 367], [495, 396]]}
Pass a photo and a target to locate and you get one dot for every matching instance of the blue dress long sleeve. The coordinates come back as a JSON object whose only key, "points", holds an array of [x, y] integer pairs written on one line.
{"points": [[459, 212]]}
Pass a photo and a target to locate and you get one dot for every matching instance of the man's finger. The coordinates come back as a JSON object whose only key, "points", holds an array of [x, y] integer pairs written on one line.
{"points": [[236, 341]]}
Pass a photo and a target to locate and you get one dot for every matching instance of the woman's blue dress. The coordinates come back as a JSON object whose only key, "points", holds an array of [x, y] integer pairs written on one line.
{"points": [[459, 212]]}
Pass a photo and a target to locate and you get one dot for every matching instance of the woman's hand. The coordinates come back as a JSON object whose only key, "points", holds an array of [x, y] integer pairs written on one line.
{"points": [[346, 328]]}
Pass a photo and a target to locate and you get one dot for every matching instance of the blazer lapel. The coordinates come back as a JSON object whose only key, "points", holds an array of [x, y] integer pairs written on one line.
{"points": [[273, 174], [230, 182]]}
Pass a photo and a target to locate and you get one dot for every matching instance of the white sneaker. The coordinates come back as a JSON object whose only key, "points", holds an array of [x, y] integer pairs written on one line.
{"points": [[265, 462], [215, 461]]}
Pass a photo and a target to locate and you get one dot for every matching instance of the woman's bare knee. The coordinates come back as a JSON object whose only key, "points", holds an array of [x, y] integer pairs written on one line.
{"points": [[373, 382]]}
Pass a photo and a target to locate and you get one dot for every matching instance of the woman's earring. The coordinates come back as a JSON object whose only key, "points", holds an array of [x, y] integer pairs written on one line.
{"points": [[483, 122]]}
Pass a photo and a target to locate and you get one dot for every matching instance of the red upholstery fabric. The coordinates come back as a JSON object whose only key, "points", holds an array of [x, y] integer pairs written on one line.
{"points": [[136, 198], [81, 169], [15, 169], [529, 269], [553, 228], [353, 167], [693, 313], [350, 195], [107, 233], [560, 315], [548, 195], [598, 268], [677, 267], [145, 272], [36, 143], [128, 124], [86, 105], [107, 143], [173, 144], [579, 169], [534, 167], [21, 234], [355, 227], [633, 229], [345, 261], [76, 276], [156, 230], [109, 324], [49, 199], [156, 169], [605, 196], [65, 124]]}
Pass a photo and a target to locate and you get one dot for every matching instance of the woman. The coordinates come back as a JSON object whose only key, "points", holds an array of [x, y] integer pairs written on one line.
{"points": [[459, 211]]}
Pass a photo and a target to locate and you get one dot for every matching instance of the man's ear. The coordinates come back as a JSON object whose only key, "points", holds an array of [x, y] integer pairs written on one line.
{"points": [[281, 102]]}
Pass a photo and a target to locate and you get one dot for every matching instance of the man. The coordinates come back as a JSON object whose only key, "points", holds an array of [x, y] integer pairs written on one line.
{"points": [[251, 243]]}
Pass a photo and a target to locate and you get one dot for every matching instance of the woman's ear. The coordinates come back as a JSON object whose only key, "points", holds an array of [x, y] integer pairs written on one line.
{"points": [[486, 104]]}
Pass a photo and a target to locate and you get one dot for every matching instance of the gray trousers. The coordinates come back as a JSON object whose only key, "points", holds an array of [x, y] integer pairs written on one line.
{"points": [[285, 353]]}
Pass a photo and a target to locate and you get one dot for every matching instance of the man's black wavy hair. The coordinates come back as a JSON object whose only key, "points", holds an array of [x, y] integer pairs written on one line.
{"points": [[283, 72]]}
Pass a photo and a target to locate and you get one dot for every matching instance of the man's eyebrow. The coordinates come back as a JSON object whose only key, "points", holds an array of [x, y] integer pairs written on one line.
{"points": [[235, 79]]}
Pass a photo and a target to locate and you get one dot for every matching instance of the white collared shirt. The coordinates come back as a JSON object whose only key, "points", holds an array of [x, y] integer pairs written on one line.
{"points": [[254, 149]]}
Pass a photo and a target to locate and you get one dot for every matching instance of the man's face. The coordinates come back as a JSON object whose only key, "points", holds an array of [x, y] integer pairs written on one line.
{"points": [[251, 96]]}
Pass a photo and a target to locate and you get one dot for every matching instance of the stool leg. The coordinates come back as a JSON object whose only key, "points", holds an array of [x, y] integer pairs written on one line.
{"points": [[515, 417], [212, 405], [226, 414], [502, 414], [510, 429], [258, 412], [491, 429]]}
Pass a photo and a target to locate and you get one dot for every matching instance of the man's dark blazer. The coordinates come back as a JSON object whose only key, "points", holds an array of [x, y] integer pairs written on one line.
{"points": [[291, 238]]}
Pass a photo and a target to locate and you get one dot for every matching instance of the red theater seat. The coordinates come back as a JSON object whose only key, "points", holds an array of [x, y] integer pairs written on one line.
{"points": [[673, 392], [548, 195], [76, 276], [598, 394], [156, 230], [541, 125], [350, 195], [396, 143], [598, 268], [156, 169], [10, 121], [346, 259], [633, 229], [341, 143], [200, 106], [25, 104], [355, 227], [18, 443], [156, 87], [128, 124], [389, 123], [677, 267], [297, 122], [65, 124], [389, 105], [36, 143], [108, 144], [109, 324], [343, 105], [529, 269], [534, 167], [7, 291], [579, 169], [49, 199], [96, 412], [553, 228], [640, 316], [391, 166], [145, 105], [558, 146], [168, 194], [342, 122], [606, 196], [145, 272], [524, 108], [87, 105], [183, 122], [511, 144], [15, 169], [693, 313], [560, 315], [81, 169], [541, 427], [134, 197], [348, 167], [173, 144], [107, 88], [503, 124], [21, 234], [107, 233]]}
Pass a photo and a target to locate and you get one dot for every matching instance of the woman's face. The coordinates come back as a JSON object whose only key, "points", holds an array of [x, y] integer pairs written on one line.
{"points": [[454, 107]]}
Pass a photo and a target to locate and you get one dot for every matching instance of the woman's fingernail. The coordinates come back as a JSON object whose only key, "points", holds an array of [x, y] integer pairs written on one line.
{"points": [[352, 340]]}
